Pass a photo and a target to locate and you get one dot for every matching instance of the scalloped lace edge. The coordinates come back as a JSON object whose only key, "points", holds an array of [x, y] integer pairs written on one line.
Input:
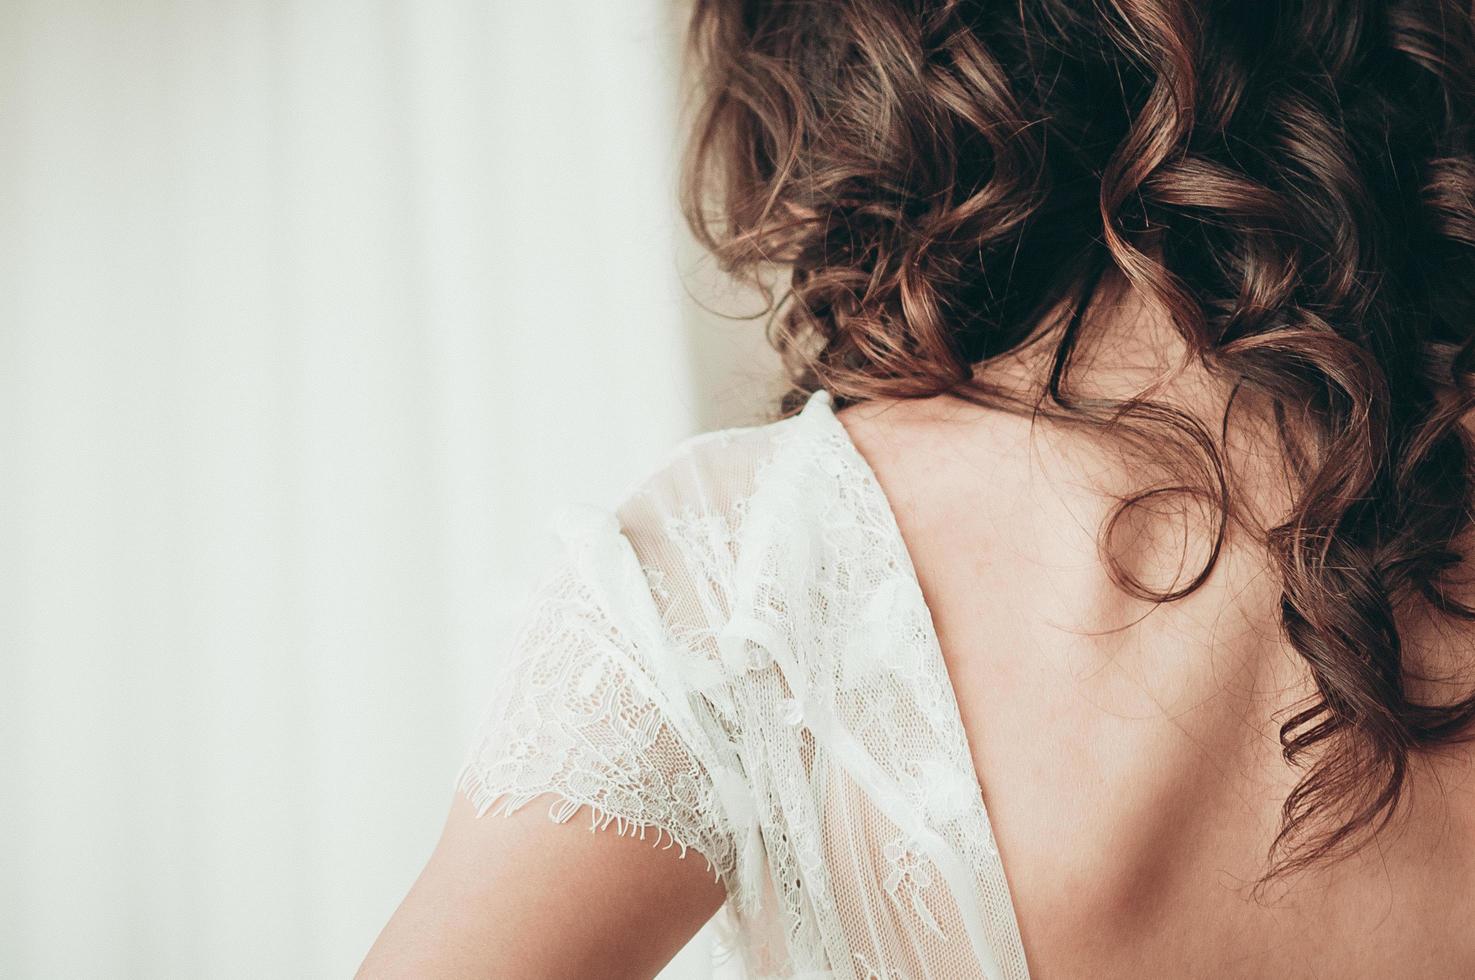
{"points": [[504, 800]]}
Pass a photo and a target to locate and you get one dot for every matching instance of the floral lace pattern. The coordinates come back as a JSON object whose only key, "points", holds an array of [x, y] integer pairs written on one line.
{"points": [[571, 721], [741, 659]]}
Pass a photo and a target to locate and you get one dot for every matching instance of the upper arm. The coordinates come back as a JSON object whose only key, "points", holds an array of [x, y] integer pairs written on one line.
{"points": [[519, 895], [593, 724]]}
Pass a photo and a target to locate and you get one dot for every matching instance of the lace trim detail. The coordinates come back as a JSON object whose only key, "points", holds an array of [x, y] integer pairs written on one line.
{"points": [[578, 717], [496, 800]]}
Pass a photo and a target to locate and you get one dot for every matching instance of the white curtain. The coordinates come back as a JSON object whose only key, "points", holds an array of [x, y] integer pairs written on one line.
{"points": [[310, 313]]}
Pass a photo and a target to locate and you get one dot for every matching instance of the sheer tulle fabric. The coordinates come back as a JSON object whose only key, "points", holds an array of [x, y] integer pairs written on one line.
{"points": [[739, 661]]}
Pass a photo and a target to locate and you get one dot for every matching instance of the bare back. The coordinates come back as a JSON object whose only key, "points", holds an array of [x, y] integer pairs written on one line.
{"points": [[1128, 753]]}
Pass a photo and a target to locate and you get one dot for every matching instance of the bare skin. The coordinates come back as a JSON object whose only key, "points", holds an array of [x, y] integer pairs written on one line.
{"points": [[1133, 774], [1129, 761]]}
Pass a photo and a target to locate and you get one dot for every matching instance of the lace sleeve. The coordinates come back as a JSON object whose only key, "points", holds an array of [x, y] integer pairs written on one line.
{"points": [[588, 708]]}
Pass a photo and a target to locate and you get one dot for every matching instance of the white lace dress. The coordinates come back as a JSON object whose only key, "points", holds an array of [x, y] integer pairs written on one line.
{"points": [[739, 658]]}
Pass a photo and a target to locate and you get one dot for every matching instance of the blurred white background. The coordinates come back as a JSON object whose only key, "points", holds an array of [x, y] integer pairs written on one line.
{"points": [[311, 312]]}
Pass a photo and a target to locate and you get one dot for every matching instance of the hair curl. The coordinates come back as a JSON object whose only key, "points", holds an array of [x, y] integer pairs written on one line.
{"points": [[1294, 182]]}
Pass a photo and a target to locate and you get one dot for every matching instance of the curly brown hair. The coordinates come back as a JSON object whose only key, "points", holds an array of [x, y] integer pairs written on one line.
{"points": [[1293, 182]]}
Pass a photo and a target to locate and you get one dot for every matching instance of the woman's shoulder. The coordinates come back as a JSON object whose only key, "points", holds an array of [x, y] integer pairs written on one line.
{"points": [[615, 697]]}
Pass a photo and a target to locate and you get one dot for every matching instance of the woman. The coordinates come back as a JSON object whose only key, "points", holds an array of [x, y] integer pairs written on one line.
{"points": [[1094, 606]]}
